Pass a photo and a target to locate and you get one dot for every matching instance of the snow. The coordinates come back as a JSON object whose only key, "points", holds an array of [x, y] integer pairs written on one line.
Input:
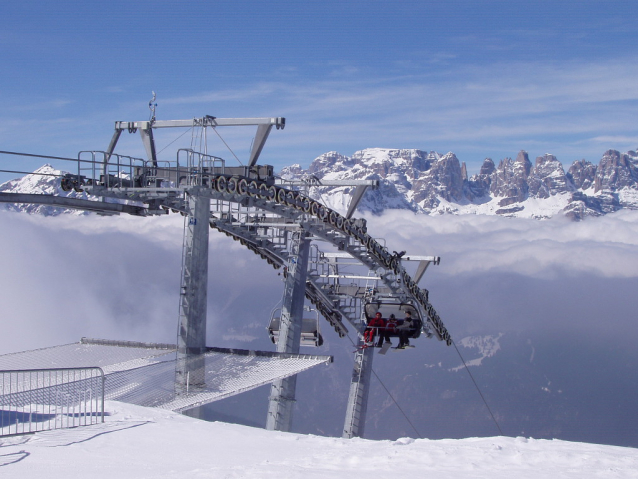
{"points": [[137, 442], [487, 347], [537, 208], [628, 196]]}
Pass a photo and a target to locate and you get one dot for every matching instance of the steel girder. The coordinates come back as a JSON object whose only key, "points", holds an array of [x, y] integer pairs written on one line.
{"points": [[293, 210]]}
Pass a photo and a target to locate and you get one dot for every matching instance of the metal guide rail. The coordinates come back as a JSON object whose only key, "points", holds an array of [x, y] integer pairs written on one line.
{"points": [[43, 399]]}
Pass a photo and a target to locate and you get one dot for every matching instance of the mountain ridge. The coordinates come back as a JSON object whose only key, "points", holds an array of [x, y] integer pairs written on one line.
{"points": [[431, 183], [434, 184]]}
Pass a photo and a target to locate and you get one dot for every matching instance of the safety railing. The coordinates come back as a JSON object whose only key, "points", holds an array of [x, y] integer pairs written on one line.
{"points": [[43, 399]]}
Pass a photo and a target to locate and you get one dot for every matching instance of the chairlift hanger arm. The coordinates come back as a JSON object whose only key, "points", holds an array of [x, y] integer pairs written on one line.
{"points": [[408, 257], [356, 198], [264, 125], [208, 120], [316, 182]]}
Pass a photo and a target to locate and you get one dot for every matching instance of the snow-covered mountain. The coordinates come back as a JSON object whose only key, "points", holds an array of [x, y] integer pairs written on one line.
{"points": [[44, 181], [432, 183]]}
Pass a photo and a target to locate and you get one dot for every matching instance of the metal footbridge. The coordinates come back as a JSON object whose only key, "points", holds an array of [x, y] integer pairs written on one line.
{"points": [[327, 258]]}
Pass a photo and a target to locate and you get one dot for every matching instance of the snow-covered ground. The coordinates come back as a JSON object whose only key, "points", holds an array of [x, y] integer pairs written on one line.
{"points": [[138, 442]]}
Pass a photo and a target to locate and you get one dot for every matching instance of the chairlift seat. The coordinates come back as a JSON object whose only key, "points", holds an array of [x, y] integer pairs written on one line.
{"points": [[386, 308], [310, 334]]}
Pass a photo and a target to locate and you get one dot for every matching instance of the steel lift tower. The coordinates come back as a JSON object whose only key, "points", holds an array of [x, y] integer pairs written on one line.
{"points": [[191, 339], [276, 219], [282, 394]]}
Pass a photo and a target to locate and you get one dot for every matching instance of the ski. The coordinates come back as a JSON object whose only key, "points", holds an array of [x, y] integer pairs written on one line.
{"points": [[402, 348]]}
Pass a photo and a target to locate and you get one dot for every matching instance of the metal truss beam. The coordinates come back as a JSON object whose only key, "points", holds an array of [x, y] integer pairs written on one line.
{"points": [[354, 424], [191, 341], [73, 203], [264, 125], [282, 393]]}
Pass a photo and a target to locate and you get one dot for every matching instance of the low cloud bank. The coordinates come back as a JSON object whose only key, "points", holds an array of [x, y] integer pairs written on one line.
{"points": [[118, 277], [605, 246], [512, 274]]}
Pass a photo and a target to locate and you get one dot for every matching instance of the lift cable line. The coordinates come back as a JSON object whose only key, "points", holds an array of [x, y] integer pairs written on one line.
{"points": [[478, 389], [174, 141], [57, 175], [229, 148], [319, 250], [397, 405], [38, 156]]}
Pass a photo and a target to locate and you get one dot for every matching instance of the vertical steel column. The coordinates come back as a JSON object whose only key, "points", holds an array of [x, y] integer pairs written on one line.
{"points": [[191, 341], [282, 392], [359, 388]]}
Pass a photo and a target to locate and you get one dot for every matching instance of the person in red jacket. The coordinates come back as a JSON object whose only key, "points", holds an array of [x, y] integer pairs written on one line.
{"points": [[390, 327], [374, 325]]}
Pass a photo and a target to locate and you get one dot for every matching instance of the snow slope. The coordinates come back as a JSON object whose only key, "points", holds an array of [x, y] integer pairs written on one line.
{"points": [[137, 442]]}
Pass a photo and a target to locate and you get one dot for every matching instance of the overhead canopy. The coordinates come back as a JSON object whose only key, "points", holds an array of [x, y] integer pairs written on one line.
{"points": [[144, 373]]}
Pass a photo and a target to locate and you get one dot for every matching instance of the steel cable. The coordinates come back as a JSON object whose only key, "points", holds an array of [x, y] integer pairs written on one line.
{"points": [[478, 389]]}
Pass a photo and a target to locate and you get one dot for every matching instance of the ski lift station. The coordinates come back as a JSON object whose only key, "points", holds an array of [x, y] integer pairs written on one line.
{"points": [[334, 270]]}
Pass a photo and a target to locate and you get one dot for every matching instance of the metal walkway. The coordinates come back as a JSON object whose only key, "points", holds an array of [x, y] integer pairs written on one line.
{"points": [[144, 373]]}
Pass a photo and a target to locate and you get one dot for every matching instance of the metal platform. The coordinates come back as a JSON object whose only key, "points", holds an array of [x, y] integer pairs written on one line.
{"points": [[144, 373]]}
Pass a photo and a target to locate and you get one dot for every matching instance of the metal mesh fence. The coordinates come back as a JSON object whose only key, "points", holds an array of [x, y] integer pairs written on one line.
{"points": [[42, 399]]}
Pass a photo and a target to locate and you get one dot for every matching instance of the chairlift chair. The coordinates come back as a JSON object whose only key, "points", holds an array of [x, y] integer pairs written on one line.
{"points": [[310, 333], [387, 307]]}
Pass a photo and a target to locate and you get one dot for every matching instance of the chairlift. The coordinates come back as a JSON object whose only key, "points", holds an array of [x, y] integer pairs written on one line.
{"points": [[310, 333], [387, 306]]}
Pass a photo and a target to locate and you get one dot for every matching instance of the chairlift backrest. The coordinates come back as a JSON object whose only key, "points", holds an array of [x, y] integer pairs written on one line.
{"points": [[310, 334], [388, 308]]}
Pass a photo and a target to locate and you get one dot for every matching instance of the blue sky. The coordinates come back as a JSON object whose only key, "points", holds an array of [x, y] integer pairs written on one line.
{"points": [[479, 78]]}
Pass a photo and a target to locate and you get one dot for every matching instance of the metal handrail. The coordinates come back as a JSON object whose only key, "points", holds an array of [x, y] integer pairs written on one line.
{"points": [[48, 395]]}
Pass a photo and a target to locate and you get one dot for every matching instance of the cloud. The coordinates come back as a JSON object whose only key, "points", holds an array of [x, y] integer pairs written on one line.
{"points": [[605, 246], [507, 274], [69, 277], [118, 277]]}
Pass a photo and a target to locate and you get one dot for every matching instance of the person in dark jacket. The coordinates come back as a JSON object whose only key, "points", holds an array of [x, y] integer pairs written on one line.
{"points": [[405, 329]]}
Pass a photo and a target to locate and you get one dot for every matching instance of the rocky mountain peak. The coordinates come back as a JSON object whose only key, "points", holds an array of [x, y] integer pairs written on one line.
{"points": [[434, 183], [548, 178], [328, 161], [522, 163], [488, 167], [582, 174], [615, 171], [431, 183], [43, 181], [444, 180], [509, 181]]}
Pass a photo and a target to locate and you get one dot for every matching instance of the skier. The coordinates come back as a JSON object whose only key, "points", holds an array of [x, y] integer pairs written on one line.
{"points": [[373, 325], [405, 329], [390, 328]]}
